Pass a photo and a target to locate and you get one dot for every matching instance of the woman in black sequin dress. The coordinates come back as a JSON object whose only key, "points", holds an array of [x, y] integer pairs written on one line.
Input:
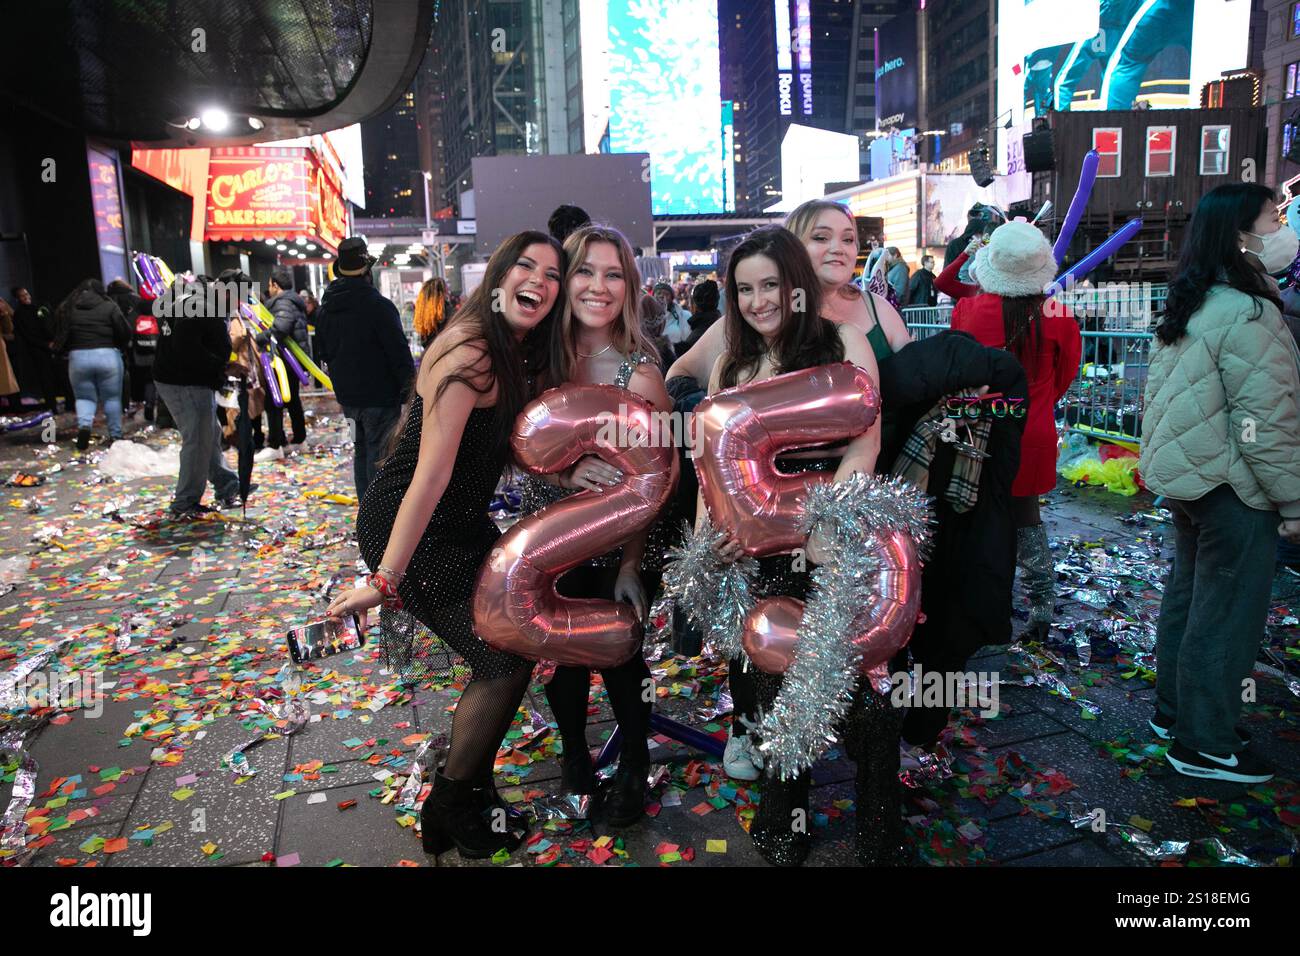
{"points": [[766, 336], [423, 527], [598, 339]]}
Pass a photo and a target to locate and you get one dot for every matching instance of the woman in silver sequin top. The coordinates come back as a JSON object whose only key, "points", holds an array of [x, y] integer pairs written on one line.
{"points": [[599, 340]]}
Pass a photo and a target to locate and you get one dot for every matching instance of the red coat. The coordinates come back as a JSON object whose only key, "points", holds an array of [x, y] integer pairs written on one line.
{"points": [[1055, 367]]}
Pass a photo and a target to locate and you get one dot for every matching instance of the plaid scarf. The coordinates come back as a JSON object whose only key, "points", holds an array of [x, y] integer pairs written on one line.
{"points": [[968, 439]]}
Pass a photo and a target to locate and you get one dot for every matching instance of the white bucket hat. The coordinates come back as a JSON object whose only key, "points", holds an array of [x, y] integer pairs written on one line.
{"points": [[1018, 261]]}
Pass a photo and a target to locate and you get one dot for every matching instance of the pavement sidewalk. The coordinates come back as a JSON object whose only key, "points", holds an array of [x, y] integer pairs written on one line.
{"points": [[137, 778]]}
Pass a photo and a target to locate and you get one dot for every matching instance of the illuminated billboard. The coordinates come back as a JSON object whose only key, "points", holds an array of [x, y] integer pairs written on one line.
{"points": [[665, 98], [1109, 54], [784, 59], [811, 158], [803, 30], [897, 79]]}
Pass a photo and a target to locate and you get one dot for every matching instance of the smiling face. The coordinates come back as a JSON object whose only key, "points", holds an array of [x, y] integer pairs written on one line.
{"points": [[597, 286], [758, 294], [832, 244], [530, 287]]}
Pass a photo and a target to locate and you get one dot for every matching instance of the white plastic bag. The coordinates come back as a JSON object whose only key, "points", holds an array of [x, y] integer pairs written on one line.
{"points": [[127, 459]]}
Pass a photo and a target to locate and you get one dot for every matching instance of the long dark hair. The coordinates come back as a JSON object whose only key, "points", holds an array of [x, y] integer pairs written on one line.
{"points": [[1213, 249], [514, 368], [1020, 328], [804, 339]]}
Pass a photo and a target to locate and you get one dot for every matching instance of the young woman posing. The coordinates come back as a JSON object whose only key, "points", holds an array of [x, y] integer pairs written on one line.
{"points": [[423, 527], [599, 340], [767, 336], [830, 238]]}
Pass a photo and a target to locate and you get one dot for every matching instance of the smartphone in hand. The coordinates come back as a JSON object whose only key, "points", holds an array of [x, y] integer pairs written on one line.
{"points": [[325, 638]]}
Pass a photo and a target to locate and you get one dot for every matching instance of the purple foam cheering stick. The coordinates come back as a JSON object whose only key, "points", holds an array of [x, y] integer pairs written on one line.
{"points": [[272, 389], [292, 364], [1099, 255], [1087, 175]]}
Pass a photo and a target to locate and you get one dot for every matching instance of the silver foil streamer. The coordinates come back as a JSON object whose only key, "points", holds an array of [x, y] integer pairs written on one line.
{"points": [[295, 710], [10, 697], [409, 799], [714, 595], [13, 826], [819, 685], [569, 806]]}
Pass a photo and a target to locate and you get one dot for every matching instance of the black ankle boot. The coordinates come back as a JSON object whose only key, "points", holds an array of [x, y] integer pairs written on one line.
{"points": [[83, 439], [453, 815], [577, 773], [486, 787], [625, 802]]}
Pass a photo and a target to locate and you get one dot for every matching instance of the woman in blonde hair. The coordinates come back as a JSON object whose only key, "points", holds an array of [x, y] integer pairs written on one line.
{"points": [[830, 236], [599, 339], [430, 310]]}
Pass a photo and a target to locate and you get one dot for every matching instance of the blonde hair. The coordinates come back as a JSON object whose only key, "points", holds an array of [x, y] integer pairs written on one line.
{"points": [[430, 307], [627, 334], [804, 216]]}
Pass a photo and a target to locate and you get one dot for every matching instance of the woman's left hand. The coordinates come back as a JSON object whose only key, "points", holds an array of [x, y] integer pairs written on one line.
{"points": [[629, 590], [355, 601], [815, 549]]}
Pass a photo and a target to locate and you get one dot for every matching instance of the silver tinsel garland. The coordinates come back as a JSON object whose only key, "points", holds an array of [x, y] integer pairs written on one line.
{"points": [[715, 596], [819, 685]]}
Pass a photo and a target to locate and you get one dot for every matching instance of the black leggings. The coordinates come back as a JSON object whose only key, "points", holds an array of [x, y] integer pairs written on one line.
{"points": [[1024, 511], [629, 685]]}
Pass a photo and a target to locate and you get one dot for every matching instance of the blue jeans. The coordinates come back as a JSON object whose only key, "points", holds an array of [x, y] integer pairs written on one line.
{"points": [[372, 425], [194, 408], [96, 376]]}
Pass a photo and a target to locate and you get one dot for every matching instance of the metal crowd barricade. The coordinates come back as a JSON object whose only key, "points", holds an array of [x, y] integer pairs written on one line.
{"points": [[1105, 400]]}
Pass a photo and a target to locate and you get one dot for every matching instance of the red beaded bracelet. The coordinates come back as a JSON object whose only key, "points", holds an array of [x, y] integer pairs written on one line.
{"points": [[388, 589]]}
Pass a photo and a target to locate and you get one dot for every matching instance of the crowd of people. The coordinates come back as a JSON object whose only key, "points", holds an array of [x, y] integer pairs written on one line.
{"points": [[1221, 443]]}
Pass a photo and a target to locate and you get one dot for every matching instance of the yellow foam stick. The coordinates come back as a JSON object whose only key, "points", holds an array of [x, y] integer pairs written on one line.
{"points": [[281, 377], [264, 318]]}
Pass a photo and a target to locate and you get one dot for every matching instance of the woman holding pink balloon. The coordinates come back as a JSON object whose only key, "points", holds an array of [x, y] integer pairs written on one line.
{"points": [[599, 340], [774, 325], [829, 235], [423, 527]]}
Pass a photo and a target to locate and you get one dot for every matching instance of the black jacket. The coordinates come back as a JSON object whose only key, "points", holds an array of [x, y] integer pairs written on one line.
{"points": [[193, 350], [290, 315], [966, 586], [699, 323], [92, 322], [920, 291], [359, 336], [30, 330]]}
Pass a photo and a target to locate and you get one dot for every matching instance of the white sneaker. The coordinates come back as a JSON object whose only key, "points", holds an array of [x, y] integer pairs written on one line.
{"points": [[269, 454], [740, 760]]}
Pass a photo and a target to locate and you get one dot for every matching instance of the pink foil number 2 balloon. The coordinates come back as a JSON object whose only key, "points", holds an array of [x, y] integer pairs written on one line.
{"points": [[516, 608]]}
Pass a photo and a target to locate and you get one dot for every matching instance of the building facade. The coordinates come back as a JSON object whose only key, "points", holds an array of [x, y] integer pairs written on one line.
{"points": [[390, 143], [1275, 53], [957, 93]]}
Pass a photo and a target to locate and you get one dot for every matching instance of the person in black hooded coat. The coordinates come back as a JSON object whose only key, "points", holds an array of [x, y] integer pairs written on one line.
{"points": [[966, 585]]}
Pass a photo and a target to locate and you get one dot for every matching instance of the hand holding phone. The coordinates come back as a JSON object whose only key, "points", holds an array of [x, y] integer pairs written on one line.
{"points": [[325, 638]]}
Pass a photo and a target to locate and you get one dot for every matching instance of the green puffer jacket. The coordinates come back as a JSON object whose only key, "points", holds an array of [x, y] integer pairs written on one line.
{"points": [[1223, 406]]}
